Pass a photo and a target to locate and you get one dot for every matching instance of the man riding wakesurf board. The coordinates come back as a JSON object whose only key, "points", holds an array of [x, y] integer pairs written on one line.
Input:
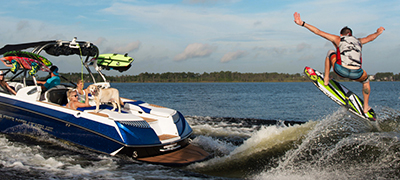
{"points": [[346, 60]]}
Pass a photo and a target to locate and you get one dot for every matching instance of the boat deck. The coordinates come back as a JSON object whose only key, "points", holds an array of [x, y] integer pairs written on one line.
{"points": [[166, 136], [181, 157]]}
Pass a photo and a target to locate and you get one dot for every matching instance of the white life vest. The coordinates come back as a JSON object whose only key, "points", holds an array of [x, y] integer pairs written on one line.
{"points": [[349, 52]]}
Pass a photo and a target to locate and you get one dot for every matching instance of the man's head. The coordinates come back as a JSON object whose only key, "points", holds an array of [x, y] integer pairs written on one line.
{"points": [[346, 31], [54, 70]]}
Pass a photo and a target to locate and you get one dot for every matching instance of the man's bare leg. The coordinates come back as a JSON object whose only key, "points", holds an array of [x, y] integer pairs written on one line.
{"points": [[366, 92], [328, 66]]}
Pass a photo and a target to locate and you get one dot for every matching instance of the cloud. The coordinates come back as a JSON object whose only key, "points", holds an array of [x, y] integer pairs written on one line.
{"points": [[128, 48], [195, 50], [280, 50], [302, 47], [309, 57], [183, 20], [22, 25], [100, 41], [233, 55], [208, 1], [257, 23]]}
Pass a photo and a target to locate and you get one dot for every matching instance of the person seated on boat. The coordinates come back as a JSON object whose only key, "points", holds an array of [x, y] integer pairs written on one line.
{"points": [[53, 81], [73, 103], [81, 92], [5, 85]]}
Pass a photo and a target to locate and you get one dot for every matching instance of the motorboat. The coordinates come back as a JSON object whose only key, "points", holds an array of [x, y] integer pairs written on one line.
{"points": [[143, 131]]}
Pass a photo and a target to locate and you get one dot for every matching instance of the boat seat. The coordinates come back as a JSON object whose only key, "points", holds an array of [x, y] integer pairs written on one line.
{"points": [[57, 94], [18, 87]]}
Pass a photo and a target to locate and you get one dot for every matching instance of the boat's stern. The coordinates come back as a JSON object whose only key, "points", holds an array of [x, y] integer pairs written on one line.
{"points": [[154, 134]]}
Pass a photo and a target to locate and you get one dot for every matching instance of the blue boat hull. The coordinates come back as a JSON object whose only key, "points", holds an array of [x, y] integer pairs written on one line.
{"points": [[137, 142]]}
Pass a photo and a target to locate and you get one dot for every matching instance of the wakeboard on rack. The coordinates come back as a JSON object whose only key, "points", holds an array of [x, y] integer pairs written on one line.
{"points": [[29, 55], [17, 63], [120, 62], [340, 94]]}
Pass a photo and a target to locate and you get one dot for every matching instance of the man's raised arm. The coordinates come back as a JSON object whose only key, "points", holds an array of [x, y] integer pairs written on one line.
{"points": [[372, 36], [330, 37]]}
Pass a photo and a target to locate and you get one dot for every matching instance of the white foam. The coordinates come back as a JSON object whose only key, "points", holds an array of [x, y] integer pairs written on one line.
{"points": [[340, 146], [215, 146], [29, 158], [303, 175], [205, 126], [262, 140]]}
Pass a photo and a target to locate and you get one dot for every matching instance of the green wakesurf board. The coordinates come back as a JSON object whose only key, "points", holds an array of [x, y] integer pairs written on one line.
{"points": [[118, 62], [340, 94]]}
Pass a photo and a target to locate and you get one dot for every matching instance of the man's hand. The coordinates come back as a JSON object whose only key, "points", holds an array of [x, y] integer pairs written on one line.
{"points": [[297, 19], [380, 30]]}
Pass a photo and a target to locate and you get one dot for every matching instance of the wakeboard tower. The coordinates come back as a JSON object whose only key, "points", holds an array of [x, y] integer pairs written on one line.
{"points": [[340, 94]]}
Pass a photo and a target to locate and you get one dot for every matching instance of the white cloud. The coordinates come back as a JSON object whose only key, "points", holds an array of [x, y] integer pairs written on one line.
{"points": [[22, 25], [233, 55], [193, 21], [127, 48], [208, 1], [195, 50], [257, 23], [303, 46], [100, 41]]}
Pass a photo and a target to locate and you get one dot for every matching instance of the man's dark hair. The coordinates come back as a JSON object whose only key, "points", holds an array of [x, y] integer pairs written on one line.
{"points": [[346, 31], [54, 70]]}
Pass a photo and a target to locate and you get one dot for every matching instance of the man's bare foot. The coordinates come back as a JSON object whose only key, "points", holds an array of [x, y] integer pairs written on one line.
{"points": [[367, 109], [326, 80]]}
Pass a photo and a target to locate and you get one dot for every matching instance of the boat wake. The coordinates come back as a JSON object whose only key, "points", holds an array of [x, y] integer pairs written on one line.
{"points": [[338, 146], [22, 158]]}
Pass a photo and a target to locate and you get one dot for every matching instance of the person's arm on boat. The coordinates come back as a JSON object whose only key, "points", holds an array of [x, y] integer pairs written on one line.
{"points": [[10, 89], [86, 104], [41, 84]]}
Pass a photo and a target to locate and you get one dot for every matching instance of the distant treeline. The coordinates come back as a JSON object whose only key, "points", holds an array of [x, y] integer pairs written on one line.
{"points": [[387, 76], [222, 76]]}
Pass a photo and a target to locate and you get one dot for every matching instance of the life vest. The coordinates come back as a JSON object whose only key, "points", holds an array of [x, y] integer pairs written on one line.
{"points": [[349, 52], [81, 97]]}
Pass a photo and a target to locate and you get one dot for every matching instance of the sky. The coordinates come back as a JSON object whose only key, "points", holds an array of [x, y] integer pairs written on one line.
{"points": [[252, 36]]}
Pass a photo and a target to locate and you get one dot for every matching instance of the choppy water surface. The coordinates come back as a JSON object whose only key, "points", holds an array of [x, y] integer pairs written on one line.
{"points": [[245, 127]]}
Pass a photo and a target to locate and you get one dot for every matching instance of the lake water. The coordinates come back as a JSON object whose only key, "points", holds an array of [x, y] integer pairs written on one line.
{"points": [[230, 122], [272, 101]]}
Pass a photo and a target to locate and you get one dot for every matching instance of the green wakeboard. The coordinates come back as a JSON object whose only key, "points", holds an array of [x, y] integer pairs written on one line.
{"points": [[340, 94], [121, 62]]}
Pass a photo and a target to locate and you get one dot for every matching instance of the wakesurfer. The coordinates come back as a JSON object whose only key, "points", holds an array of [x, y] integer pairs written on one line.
{"points": [[346, 60]]}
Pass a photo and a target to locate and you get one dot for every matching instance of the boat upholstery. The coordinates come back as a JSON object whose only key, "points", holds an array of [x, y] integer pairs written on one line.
{"points": [[57, 94]]}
